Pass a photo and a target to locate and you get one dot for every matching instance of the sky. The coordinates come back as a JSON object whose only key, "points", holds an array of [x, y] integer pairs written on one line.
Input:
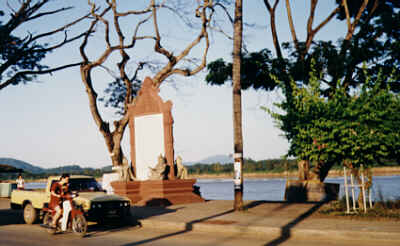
{"points": [[48, 123]]}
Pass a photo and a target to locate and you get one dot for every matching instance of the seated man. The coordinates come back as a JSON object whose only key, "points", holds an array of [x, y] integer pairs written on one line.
{"points": [[66, 204], [56, 193]]}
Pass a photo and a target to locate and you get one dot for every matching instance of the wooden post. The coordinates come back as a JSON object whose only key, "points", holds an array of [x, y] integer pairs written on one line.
{"points": [[237, 104]]}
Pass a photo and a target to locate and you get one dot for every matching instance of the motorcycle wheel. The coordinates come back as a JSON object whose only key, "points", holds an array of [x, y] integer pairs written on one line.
{"points": [[79, 225], [47, 220]]}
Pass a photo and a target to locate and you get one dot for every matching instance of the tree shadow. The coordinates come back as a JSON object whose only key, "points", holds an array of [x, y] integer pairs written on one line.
{"points": [[286, 229], [11, 217], [155, 207], [188, 228]]}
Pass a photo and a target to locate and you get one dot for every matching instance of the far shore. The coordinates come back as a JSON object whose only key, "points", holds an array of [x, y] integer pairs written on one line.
{"points": [[376, 171]]}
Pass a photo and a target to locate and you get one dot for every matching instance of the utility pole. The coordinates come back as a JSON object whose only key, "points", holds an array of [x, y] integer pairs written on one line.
{"points": [[237, 106]]}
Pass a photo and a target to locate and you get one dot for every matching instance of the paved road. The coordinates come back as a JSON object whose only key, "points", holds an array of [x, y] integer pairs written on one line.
{"points": [[13, 232], [33, 235]]}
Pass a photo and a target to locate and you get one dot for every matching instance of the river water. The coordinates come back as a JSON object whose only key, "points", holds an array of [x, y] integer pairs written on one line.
{"points": [[384, 187]]}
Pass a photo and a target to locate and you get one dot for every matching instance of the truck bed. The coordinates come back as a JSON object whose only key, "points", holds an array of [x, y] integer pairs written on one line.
{"points": [[19, 198]]}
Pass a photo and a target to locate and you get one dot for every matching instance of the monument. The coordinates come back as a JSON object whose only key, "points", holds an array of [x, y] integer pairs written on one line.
{"points": [[152, 154]]}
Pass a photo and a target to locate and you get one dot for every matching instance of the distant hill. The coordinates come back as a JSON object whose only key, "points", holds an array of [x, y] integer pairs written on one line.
{"points": [[21, 164], [30, 168], [222, 159]]}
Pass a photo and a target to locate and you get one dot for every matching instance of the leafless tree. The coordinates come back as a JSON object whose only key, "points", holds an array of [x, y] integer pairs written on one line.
{"points": [[144, 30]]}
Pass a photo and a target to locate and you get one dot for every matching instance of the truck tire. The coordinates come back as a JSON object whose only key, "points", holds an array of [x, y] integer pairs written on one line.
{"points": [[30, 214]]}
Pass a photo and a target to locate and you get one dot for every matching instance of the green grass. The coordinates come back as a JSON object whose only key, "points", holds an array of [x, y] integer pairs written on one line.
{"points": [[380, 210]]}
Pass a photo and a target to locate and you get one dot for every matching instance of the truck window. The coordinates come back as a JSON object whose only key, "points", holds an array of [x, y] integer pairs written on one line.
{"points": [[84, 185]]}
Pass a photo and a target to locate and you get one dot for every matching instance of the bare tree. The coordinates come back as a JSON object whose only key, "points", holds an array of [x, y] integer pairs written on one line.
{"points": [[20, 58], [145, 29]]}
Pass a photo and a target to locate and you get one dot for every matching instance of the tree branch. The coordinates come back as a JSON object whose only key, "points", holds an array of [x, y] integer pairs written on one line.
{"points": [[291, 25], [48, 13], [47, 71], [274, 33], [169, 68]]}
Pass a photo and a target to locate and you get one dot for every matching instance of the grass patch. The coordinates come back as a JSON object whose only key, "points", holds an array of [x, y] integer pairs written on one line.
{"points": [[380, 210]]}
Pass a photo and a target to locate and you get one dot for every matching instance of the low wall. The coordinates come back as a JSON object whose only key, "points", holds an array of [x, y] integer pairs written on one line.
{"points": [[310, 191]]}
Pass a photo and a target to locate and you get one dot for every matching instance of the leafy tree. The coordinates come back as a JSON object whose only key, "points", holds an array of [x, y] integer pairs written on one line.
{"points": [[346, 129], [371, 38], [21, 57]]}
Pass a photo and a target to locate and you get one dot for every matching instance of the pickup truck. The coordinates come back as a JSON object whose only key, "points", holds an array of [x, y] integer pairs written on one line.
{"points": [[92, 200]]}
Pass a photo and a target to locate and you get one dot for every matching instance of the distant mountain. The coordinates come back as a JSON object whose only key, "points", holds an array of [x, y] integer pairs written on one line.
{"points": [[223, 159], [21, 164], [27, 167]]}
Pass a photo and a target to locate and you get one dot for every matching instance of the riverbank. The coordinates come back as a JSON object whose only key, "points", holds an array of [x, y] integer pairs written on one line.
{"points": [[376, 171]]}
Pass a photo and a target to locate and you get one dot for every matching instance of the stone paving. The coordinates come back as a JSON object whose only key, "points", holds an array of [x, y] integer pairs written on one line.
{"points": [[266, 219]]}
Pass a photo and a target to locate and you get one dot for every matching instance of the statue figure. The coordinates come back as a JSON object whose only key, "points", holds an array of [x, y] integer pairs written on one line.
{"points": [[160, 171], [181, 171], [126, 172]]}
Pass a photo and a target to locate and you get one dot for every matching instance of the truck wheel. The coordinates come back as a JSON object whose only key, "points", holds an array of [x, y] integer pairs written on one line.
{"points": [[30, 214]]}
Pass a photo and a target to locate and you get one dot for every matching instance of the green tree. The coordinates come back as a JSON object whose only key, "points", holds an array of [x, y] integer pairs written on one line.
{"points": [[21, 57], [372, 37], [355, 129]]}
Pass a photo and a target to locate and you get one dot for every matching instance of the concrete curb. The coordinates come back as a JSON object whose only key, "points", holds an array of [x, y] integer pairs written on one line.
{"points": [[274, 232]]}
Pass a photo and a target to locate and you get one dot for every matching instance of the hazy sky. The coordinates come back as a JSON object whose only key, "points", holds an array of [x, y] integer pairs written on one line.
{"points": [[48, 123]]}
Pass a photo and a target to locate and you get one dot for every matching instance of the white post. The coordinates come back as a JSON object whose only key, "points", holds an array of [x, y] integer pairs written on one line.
{"points": [[363, 189], [370, 197], [346, 187], [352, 191]]}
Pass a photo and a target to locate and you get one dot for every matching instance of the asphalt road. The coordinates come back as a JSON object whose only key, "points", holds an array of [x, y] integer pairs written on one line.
{"points": [[24, 235], [13, 232]]}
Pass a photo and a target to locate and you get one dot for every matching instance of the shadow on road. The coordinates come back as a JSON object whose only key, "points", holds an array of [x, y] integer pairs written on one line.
{"points": [[189, 227], [137, 213], [11, 217], [286, 229]]}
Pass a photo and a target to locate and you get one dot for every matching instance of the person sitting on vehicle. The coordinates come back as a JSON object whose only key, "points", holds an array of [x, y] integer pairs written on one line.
{"points": [[66, 204], [20, 182], [56, 192]]}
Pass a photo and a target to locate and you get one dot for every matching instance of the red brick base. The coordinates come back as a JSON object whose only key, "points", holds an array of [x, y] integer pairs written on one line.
{"points": [[158, 192]]}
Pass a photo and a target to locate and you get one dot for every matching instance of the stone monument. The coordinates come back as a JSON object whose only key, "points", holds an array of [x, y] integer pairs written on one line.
{"points": [[152, 154]]}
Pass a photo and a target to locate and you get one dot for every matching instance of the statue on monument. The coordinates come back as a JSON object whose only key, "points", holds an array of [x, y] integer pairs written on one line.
{"points": [[180, 169], [125, 172], [160, 171]]}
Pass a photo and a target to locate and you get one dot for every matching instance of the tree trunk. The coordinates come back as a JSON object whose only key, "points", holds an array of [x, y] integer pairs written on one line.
{"points": [[237, 102], [112, 139], [320, 171]]}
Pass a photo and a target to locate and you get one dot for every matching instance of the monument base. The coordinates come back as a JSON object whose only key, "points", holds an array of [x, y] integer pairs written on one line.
{"points": [[310, 191], [158, 192]]}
